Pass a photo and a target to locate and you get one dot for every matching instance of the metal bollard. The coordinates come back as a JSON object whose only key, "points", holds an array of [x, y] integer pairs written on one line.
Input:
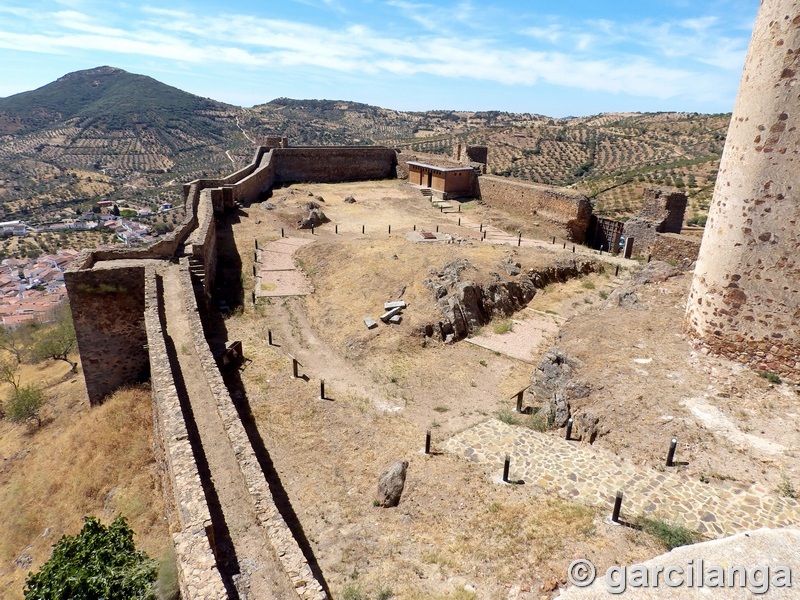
{"points": [[617, 507], [269, 337], [322, 389], [390, 229], [671, 454], [569, 429], [282, 232], [506, 467], [336, 229], [428, 442]]}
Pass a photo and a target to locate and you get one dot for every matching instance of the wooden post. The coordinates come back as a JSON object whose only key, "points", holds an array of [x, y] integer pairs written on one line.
{"points": [[428, 442], [322, 389], [506, 466], [281, 231], [569, 429], [390, 229], [269, 337]]}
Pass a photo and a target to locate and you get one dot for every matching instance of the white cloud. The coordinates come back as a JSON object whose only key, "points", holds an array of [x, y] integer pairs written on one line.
{"points": [[594, 56]]}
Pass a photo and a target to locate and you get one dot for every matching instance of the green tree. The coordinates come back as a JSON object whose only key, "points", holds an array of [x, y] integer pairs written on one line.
{"points": [[25, 404], [99, 562], [58, 341]]}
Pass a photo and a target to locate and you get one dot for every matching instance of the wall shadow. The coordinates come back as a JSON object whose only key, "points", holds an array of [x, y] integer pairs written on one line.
{"points": [[228, 289], [225, 553]]}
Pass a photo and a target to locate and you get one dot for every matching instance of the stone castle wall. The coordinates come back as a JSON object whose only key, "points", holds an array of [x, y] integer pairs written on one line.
{"points": [[746, 288], [563, 208], [675, 248], [115, 303], [187, 506], [278, 532], [345, 163]]}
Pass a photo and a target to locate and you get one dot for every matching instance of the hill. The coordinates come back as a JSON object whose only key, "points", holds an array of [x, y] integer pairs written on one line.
{"points": [[107, 134]]}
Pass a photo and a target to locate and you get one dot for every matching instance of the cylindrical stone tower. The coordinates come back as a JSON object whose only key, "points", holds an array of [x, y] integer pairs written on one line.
{"points": [[745, 298]]}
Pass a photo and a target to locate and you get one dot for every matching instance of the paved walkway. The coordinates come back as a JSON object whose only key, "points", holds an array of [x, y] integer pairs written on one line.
{"points": [[277, 273], [593, 476]]}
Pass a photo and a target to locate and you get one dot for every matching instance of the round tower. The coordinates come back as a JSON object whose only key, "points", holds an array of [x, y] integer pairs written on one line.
{"points": [[744, 302]]}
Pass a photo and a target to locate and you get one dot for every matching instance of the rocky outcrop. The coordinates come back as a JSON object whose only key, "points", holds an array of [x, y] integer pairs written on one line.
{"points": [[623, 298], [656, 272], [467, 305], [553, 384], [315, 218]]}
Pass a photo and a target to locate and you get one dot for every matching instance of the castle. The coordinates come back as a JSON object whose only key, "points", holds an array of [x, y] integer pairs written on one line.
{"points": [[743, 302]]}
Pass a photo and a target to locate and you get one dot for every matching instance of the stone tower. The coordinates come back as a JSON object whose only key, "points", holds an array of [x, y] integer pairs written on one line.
{"points": [[745, 298]]}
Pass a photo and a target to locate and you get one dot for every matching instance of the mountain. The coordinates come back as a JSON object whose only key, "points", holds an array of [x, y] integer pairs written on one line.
{"points": [[104, 96]]}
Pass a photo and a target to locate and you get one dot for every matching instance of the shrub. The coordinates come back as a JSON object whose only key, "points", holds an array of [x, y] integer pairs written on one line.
{"points": [[786, 487], [25, 404], [99, 562], [771, 377]]}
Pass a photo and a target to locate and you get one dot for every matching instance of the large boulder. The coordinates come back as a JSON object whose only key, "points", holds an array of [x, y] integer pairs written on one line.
{"points": [[391, 484], [623, 298]]}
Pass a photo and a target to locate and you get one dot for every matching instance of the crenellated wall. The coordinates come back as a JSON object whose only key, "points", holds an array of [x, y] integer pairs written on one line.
{"points": [[564, 208]]}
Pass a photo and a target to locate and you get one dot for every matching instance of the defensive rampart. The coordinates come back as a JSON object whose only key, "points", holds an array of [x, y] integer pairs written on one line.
{"points": [[118, 310], [566, 209], [189, 516]]}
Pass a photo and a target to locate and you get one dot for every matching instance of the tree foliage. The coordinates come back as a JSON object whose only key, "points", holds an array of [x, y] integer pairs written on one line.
{"points": [[99, 562], [25, 404], [58, 341]]}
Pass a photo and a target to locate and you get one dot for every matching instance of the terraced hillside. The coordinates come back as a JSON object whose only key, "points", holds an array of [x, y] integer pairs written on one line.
{"points": [[108, 134]]}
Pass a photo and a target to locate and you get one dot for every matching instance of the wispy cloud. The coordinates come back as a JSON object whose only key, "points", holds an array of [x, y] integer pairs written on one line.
{"points": [[646, 58]]}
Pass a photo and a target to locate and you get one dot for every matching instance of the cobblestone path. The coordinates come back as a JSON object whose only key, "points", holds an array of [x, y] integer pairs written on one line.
{"points": [[593, 476]]}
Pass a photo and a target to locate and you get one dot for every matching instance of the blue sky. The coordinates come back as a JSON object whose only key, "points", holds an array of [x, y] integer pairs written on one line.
{"points": [[571, 57]]}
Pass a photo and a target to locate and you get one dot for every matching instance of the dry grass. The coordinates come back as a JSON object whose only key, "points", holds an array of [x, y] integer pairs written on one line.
{"points": [[455, 527], [81, 462]]}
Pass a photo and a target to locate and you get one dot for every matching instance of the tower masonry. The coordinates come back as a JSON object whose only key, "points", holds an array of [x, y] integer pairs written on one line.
{"points": [[745, 301]]}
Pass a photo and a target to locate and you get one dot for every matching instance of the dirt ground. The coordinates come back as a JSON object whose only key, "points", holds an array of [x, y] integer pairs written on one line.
{"points": [[649, 385], [457, 532]]}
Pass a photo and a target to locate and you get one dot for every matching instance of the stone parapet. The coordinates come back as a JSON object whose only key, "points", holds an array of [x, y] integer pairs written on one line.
{"points": [[188, 509], [278, 532]]}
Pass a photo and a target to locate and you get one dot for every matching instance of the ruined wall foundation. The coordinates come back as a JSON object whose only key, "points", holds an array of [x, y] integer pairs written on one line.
{"points": [[745, 296], [564, 208]]}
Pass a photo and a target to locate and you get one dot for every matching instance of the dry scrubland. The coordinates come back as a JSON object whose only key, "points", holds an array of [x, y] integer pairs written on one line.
{"points": [[80, 462], [456, 528]]}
